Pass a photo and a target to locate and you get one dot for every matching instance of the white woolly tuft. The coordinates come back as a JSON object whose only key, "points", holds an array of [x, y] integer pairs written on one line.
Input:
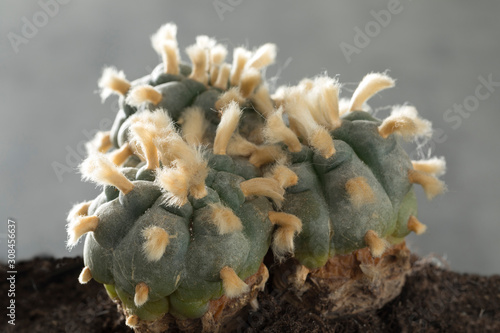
{"points": [[120, 155], [283, 242], [240, 58], [224, 219], [166, 32], [98, 169], [174, 183], [232, 284], [326, 90], [80, 226], [404, 120], [370, 85], [262, 101], [143, 134], [156, 241], [141, 294], [276, 131], [193, 125], [284, 175], [289, 226], [204, 42], [431, 185], [267, 187], [303, 121], [112, 81], [231, 95], [218, 54], [435, 166], [222, 79], [79, 209], [239, 146], [85, 275], [143, 93], [263, 57], [265, 154], [132, 321], [376, 244], [199, 60], [249, 80], [344, 104], [101, 143], [229, 121], [170, 57]]}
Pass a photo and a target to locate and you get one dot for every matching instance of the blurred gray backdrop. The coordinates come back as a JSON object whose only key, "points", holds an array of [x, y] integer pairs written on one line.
{"points": [[444, 55]]}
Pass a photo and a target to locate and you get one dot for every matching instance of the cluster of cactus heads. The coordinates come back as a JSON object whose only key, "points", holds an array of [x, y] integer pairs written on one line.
{"points": [[204, 172]]}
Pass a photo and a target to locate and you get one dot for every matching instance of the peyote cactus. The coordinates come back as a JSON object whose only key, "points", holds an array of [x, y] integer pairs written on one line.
{"points": [[204, 172]]}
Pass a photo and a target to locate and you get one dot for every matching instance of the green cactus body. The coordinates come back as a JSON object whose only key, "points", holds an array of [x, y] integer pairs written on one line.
{"points": [[176, 228]]}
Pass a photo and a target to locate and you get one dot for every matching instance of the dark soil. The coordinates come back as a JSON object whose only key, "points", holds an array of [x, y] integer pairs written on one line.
{"points": [[434, 299]]}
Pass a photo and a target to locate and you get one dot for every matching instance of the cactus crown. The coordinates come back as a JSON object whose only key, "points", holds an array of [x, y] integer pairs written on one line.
{"points": [[204, 171]]}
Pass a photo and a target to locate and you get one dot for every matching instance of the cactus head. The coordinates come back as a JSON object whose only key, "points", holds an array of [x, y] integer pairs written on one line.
{"points": [[204, 172]]}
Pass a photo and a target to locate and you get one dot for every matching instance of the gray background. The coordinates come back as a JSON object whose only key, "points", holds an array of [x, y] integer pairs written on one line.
{"points": [[437, 50]]}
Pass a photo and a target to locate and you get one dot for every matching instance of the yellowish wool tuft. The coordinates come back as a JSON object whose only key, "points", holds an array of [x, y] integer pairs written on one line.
{"points": [[175, 183], [232, 284], [199, 60], [435, 166], [286, 220], [170, 56], [79, 209], [113, 81], [239, 146], [101, 143], [284, 176], [267, 187], [167, 32], [240, 58], [276, 131], [326, 90], [222, 77], [80, 226], [229, 121], [370, 85], [376, 244], [193, 125], [102, 171], [225, 219], [141, 294], [132, 321], [143, 134], [264, 56], [322, 142], [262, 101], [404, 120], [156, 241], [265, 154], [359, 191], [231, 95], [142, 94], [431, 185], [85, 275], [119, 156], [250, 79], [416, 226]]}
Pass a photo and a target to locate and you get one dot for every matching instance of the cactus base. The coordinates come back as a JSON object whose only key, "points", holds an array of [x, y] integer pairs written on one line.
{"points": [[347, 284], [220, 316]]}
